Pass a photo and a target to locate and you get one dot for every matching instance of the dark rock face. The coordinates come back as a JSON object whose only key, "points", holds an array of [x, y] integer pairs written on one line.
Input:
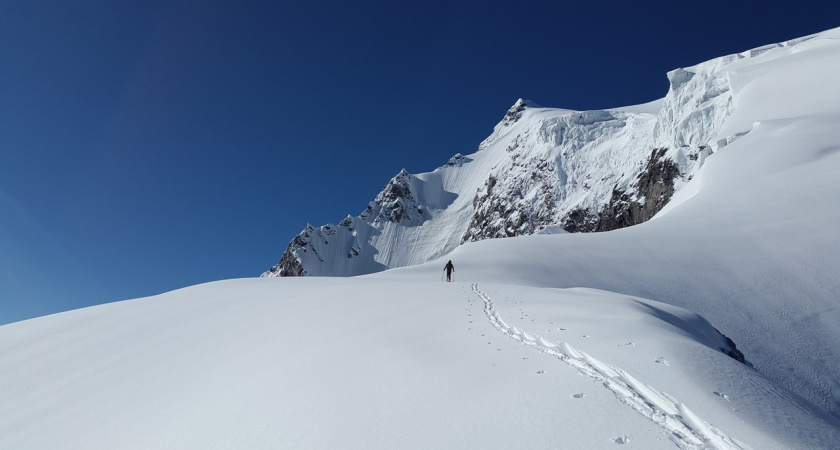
{"points": [[580, 220], [396, 203], [515, 112], [289, 266], [508, 213], [732, 351], [653, 189], [458, 160]]}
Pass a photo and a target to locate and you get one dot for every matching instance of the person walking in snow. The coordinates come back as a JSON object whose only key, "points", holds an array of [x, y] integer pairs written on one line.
{"points": [[449, 268]]}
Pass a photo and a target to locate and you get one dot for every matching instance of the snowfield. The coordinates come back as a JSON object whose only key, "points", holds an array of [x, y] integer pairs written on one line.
{"points": [[553, 340], [376, 363]]}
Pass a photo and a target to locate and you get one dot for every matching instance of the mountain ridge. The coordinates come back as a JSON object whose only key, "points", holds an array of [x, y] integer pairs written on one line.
{"points": [[584, 171]]}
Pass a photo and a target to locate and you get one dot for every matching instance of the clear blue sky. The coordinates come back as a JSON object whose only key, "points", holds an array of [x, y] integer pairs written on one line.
{"points": [[151, 145]]}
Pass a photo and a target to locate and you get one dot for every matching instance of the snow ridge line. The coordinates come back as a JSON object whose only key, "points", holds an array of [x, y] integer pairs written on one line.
{"points": [[685, 429]]}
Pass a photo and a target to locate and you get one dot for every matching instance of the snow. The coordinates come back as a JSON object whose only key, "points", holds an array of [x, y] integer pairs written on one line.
{"points": [[554, 340], [758, 258], [376, 363], [653, 107]]}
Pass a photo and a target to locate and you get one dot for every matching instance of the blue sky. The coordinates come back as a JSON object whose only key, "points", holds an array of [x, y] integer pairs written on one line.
{"points": [[151, 145]]}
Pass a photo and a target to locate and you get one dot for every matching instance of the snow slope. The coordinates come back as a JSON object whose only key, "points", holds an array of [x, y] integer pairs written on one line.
{"points": [[376, 363]]}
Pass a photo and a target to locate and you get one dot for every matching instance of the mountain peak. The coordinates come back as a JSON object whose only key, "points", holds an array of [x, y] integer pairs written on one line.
{"points": [[515, 111]]}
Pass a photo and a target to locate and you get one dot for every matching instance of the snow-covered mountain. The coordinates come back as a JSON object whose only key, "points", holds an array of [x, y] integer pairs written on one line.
{"points": [[583, 171], [714, 325]]}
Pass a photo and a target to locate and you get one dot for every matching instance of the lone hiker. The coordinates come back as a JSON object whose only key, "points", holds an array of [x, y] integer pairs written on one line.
{"points": [[449, 268]]}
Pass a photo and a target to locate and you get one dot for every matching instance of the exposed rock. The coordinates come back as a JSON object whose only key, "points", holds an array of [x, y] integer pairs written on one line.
{"points": [[458, 160], [289, 265], [509, 212], [653, 189], [580, 220], [396, 203], [515, 112], [732, 351]]}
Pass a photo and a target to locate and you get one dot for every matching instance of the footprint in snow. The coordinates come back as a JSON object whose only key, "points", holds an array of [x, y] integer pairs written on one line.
{"points": [[586, 336], [720, 394], [581, 395], [661, 360], [622, 439], [540, 372]]}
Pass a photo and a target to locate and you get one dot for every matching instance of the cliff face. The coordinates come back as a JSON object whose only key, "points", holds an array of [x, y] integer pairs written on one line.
{"points": [[396, 203], [289, 265], [652, 190]]}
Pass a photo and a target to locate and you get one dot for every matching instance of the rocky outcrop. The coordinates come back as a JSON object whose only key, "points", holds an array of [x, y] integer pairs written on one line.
{"points": [[523, 206], [732, 351], [457, 161], [515, 112], [395, 203], [557, 172], [580, 220], [652, 191], [289, 265], [653, 188]]}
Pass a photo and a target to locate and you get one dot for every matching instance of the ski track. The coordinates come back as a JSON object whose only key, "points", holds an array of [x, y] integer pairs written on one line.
{"points": [[685, 429]]}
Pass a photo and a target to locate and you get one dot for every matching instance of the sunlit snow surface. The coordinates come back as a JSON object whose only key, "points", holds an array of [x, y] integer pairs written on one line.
{"points": [[502, 358], [377, 363]]}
